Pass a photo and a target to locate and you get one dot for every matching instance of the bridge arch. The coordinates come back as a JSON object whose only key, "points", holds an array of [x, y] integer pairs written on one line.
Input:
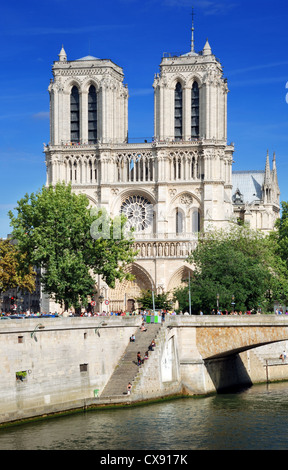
{"points": [[238, 336]]}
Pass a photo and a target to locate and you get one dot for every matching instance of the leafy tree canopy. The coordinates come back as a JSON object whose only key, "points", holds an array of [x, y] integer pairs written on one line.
{"points": [[280, 236], [11, 273], [70, 243], [146, 300], [239, 263]]}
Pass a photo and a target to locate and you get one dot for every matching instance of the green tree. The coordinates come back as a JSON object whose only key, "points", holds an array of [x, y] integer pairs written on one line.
{"points": [[239, 263], [70, 243], [146, 300], [11, 273], [280, 236]]}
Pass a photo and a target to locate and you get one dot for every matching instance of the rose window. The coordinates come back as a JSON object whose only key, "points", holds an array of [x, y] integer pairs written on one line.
{"points": [[138, 212]]}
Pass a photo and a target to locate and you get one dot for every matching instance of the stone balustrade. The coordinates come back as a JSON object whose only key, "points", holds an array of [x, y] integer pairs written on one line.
{"points": [[165, 249]]}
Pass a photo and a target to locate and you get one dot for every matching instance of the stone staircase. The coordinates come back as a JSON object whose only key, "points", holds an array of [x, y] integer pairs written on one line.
{"points": [[127, 368]]}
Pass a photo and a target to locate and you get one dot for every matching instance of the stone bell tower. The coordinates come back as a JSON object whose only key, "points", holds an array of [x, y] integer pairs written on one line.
{"points": [[190, 99], [88, 102]]}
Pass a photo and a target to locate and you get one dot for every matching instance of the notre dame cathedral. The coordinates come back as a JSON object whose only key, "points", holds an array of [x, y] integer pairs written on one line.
{"points": [[170, 188]]}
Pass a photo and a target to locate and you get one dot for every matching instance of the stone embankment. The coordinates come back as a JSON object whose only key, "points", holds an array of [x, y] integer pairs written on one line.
{"points": [[58, 365]]}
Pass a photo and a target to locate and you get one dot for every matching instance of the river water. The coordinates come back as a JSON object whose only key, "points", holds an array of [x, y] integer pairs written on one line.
{"points": [[252, 419]]}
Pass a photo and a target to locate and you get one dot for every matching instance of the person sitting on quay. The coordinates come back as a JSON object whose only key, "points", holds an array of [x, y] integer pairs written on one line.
{"points": [[142, 327], [283, 356], [152, 345]]}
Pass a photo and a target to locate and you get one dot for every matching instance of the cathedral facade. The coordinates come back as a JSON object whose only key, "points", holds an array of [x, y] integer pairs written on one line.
{"points": [[170, 189]]}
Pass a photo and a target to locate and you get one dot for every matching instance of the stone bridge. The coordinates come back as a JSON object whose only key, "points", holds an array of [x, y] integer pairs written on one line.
{"points": [[219, 336], [219, 352]]}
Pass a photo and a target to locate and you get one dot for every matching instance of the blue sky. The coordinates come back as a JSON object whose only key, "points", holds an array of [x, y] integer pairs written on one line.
{"points": [[248, 37]]}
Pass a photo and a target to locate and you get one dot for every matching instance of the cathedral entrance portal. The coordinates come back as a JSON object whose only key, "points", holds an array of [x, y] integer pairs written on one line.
{"points": [[124, 296], [130, 305], [180, 278]]}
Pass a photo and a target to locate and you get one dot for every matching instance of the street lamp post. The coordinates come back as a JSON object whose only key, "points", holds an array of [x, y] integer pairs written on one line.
{"points": [[101, 298], [233, 303], [190, 312], [217, 301], [37, 327], [153, 300]]}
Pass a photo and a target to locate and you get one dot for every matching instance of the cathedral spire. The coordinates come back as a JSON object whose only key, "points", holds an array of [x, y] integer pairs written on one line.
{"points": [[192, 32], [267, 169], [274, 169]]}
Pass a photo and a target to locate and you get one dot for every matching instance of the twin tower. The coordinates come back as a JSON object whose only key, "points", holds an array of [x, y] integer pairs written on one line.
{"points": [[89, 102], [169, 188]]}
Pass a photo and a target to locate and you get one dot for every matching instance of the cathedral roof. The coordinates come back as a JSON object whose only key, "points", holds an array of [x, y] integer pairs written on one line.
{"points": [[249, 184], [88, 57], [191, 53]]}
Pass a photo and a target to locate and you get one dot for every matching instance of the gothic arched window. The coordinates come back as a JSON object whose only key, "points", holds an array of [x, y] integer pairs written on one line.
{"points": [[75, 115], [92, 115], [195, 221], [195, 110], [179, 221], [75, 172], [178, 112], [90, 171]]}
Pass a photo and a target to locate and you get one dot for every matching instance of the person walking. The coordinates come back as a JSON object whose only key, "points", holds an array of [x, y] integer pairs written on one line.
{"points": [[139, 360]]}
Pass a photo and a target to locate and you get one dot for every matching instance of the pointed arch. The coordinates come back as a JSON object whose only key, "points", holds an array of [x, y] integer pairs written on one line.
{"points": [[70, 83], [196, 220], [179, 221], [126, 292], [195, 106], [179, 278], [87, 84], [74, 114], [92, 114], [178, 111], [117, 201]]}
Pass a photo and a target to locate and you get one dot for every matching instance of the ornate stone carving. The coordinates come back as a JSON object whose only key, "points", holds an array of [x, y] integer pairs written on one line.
{"points": [[172, 192], [186, 199]]}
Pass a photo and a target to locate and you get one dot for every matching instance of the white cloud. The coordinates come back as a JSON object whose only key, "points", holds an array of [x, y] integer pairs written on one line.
{"points": [[258, 81], [42, 115], [209, 7], [255, 67], [141, 91], [41, 31]]}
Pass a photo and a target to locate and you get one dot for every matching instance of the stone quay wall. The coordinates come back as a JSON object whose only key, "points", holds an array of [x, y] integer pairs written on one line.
{"points": [[58, 367], [52, 365]]}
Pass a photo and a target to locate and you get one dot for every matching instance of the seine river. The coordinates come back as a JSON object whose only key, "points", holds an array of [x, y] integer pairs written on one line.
{"points": [[252, 419]]}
